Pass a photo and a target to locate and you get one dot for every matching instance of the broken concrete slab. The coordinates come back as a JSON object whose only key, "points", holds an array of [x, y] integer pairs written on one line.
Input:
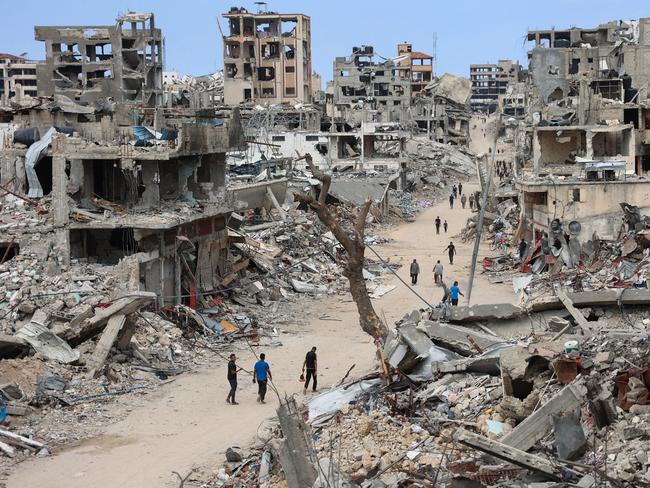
{"points": [[507, 453], [580, 319], [124, 305], [12, 346], [457, 338], [570, 440], [485, 312], [303, 287], [486, 365], [538, 424], [106, 341]]}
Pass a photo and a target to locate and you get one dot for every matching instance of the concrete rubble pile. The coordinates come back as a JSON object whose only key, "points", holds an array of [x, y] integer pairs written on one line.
{"points": [[294, 257], [463, 406]]}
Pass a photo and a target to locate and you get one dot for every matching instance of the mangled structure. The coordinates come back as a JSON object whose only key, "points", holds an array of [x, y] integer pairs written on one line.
{"points": [[267, 57], [586, 150], [85, 63]]}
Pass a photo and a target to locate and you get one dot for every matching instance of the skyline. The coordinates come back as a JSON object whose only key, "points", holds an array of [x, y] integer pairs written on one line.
{"points": [[465, 35]]}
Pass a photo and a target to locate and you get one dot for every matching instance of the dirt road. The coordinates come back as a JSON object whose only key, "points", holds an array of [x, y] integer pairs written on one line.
{"points": [[188, 423]]}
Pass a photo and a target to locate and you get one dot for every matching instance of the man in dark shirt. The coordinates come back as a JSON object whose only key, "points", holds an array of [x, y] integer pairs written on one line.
{"points": [[437, 222], [232, 379], [310, 364], [451, 249]]}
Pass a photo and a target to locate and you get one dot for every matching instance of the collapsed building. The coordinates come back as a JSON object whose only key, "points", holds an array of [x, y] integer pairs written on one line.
{"points": [[122, 61], [586, 150], [267, 57], [366, 90]]}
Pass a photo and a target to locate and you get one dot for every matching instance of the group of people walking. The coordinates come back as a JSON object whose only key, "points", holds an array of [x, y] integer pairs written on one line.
{"points": [[262, 375], [457, 192]]}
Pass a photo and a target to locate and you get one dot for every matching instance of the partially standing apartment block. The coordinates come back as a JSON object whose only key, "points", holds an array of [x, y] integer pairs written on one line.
{"points": [[267, 58], [85, 63]]}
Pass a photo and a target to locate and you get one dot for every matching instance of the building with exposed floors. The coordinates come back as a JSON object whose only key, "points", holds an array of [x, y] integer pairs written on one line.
{"points": [[17, 77], [122, 61], [267, 57]]}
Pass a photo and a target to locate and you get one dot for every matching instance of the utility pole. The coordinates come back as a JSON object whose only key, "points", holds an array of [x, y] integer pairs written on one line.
{"points": [[484, 199]]}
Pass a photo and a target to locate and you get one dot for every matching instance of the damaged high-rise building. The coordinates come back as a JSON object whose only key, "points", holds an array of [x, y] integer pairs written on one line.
{"points": [[267, 57], [122, 61]]}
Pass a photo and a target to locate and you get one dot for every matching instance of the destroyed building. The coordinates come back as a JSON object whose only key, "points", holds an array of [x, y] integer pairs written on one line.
{"points": [[490, 83], [152, 200], [443, 110], [416, 66], [364, 89], [17, 78], [267, 57], [587, 149], [122, 61]]}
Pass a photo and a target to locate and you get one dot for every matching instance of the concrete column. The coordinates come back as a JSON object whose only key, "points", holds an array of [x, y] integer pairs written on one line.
{"points": [[151, 181], [59, 191], [589, 136], [76, 181]]}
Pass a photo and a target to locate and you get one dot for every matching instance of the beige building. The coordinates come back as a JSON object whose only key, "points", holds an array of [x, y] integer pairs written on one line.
{"points": [[416, 66], [267, 57], [17, 77]]}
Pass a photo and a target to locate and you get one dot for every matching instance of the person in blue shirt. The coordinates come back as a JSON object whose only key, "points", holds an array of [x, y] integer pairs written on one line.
{"points": [[455, 291], [261, 374]]}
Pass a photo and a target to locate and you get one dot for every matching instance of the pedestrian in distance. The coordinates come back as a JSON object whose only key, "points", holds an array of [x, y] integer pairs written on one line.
{"points": [[460, 188], [445, 226], [455, 291], [523, 247], [437, 273], [415, 271], [471, 202], [451, 249], [437, 222], [451, 201], [232, 379], [261, 374], [311, 365], [454, 191], [463, 200]]}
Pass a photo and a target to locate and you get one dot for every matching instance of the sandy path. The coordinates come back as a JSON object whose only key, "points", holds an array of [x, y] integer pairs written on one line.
{"points": [[418, 240], [187, 423]]}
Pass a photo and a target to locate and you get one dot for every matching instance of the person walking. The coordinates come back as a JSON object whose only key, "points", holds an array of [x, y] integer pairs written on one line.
{"points": [[310, 363], [451, 201], [437, 273], [415, 271], [455, 291], [444, 226], [451, 249], [523, 247], [471, 202], [460, 188], [232, 379], [437, 222], [463, 200], [454, 191], [261, 374]]}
